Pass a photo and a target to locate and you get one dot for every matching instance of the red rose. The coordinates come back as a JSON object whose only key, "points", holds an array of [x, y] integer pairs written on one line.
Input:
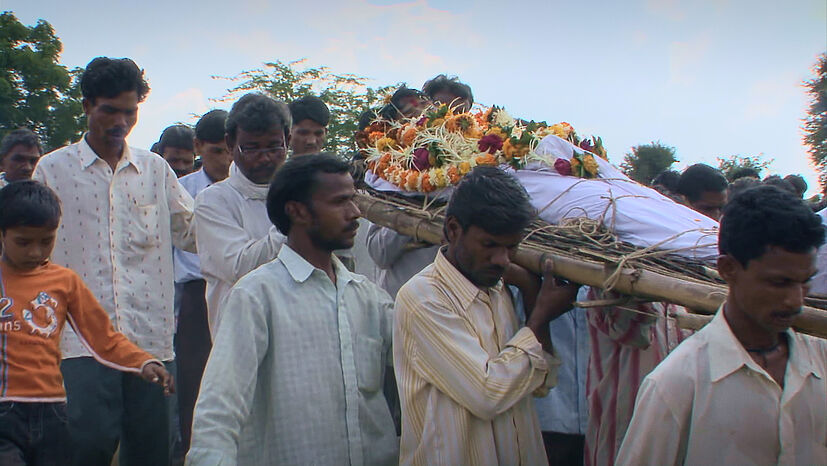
{"points": [[587, 145], [563, 167], [490, 143], [420, 159]]}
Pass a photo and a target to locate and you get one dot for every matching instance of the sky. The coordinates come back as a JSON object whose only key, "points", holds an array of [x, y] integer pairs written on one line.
{"points": [[710, 78]]}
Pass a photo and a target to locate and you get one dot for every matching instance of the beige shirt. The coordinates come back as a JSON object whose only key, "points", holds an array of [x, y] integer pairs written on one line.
{"points": [[466, 373], [117, 233], [709, 402]]}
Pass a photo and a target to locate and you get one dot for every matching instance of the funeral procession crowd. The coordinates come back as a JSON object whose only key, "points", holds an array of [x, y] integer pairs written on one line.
{"points": [[219, 300]]}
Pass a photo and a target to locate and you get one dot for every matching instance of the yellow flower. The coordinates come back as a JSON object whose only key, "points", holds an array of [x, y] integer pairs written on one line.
{"points": [[438, 178], [384, 143], [561, 130], [496, 130], [436, 122], [464, 168], [590, 164]]}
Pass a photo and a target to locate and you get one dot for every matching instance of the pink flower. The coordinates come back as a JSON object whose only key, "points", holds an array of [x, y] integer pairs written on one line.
{"points": [[420, 159], [491, 143], [422, 121], [563, 167], [586, 144]]}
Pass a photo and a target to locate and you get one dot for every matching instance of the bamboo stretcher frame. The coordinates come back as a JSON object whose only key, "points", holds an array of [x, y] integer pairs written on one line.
{"points": [[702, 300]]}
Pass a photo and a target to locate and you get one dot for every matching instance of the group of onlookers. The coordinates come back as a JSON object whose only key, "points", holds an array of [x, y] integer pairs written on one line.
{"points": [[226, 258]]}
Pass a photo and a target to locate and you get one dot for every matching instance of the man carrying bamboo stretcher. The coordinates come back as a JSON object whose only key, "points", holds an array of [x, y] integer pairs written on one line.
{"points": [[464, 368], [746, 389]]}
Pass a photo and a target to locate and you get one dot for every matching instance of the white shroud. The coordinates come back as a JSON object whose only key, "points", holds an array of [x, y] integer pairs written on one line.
{"points": [[636, 214]]}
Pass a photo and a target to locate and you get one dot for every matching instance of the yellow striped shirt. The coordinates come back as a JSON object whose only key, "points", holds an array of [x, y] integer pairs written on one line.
{"points": [[465, 373]]}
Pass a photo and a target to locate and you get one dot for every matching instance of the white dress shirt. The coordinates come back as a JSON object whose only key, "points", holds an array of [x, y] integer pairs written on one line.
{"points": [[296, 372], [187, 265], [709, 402], [117, 233], [234, 235]]}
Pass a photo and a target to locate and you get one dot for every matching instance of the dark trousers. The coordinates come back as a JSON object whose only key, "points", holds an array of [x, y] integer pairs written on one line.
{"points": [[564, 449], [192, 348], [107, 407], [33, 434]]}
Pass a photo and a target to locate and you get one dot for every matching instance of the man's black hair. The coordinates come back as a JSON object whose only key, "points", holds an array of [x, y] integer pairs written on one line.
{"points": [[19, 137], [296, 181], [492, 200], [780, 183], [392, 110], [176, 136], [741, 184], [698, 179], [257, 113], [28, 203], [744, 172], [441, 82], [109, 77], [366, 117], [310, 108], [765, 216], [668, 179], [210, 127], [797, 182]]}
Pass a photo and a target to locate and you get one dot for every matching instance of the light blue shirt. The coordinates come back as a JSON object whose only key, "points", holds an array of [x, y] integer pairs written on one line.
{"points": [[564, 410], [186, 264], [296, 371]]}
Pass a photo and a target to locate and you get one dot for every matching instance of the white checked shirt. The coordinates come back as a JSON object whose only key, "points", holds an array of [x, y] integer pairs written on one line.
{"points": [[234, 234], [709, 402], [295, 375], [117, 233]]}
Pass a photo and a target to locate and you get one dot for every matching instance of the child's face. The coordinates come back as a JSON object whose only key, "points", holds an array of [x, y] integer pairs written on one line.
{"points": [[26, 248]]}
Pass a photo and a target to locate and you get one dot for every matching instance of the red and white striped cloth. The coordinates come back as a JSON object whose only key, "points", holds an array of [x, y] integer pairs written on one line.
{"points": [[625, 347]]}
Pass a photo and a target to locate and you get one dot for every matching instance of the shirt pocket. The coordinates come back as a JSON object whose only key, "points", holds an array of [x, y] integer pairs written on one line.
{"points": [[144, 231], [369, 355]]}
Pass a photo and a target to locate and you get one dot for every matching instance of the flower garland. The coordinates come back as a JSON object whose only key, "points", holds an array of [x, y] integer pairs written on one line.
{"points": [[437, 149]]}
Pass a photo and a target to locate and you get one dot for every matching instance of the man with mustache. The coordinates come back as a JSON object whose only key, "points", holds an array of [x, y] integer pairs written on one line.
{"points": [[310, 119], [233, 233], [746, 389], [466, 370], [19, 153], [124, 210], [296, 372]]}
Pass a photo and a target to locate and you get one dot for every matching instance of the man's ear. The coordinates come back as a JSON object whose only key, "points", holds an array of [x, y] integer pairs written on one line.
{"points": [[452, 229], [728, 268], [298, 212], [87, 105]]}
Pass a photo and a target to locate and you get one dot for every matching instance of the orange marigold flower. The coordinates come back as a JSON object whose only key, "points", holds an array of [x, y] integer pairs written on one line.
{"points": [[453, 174], [486, 159], [408, 136], [375, 136], [411, 179]]}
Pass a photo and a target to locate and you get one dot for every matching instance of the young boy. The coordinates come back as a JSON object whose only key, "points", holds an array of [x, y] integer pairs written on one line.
{"points": [[36, 299]]}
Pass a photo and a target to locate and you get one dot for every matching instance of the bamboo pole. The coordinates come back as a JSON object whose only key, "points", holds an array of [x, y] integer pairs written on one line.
{"points": [[699, 298]]}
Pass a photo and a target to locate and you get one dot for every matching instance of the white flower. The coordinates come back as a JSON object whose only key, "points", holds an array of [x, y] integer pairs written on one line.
{"points": [[502, 118]]}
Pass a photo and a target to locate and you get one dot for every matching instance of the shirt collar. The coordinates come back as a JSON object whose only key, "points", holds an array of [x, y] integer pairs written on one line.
{"points": [[246, 187], [298, 267], [728, 354], [457, 283], [88, 155]]}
